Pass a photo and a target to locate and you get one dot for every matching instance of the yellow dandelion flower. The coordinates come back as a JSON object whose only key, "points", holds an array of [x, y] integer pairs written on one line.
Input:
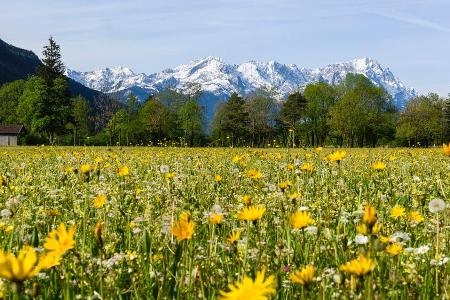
{"points": [[49, 260], [85, 169], [319, 149], [217, 178], [170, 175], [254, 174], [99, 201], [415, 217], [307, 167], [19, 268], [60, 240], [183, 229], [247, 289], [301, 219], [246, 199], [284, 185], [359, 267], [397, 211], [394, 249], [233, 237], [251, 213], [378, 166], [123, 171], [215, 219], [304, 276], [337, 156]]}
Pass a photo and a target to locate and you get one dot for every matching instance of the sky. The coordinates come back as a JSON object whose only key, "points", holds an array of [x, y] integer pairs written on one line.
{"points": [[411, 37]]}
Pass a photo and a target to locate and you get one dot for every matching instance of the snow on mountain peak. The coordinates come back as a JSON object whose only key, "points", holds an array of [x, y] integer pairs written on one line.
{"points": [[221, 79]]}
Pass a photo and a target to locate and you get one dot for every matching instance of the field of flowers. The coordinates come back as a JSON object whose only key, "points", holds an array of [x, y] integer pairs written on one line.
{"points": [[168, 223]]}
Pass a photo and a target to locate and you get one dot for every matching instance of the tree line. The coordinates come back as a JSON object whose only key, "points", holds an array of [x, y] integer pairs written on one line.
{"points": [[353, 113]]}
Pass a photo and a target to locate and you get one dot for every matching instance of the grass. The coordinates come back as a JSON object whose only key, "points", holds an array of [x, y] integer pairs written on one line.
{"points": [[136, 256]]}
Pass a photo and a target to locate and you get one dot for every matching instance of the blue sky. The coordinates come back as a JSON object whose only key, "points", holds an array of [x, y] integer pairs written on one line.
{"points": [[411, 37]]}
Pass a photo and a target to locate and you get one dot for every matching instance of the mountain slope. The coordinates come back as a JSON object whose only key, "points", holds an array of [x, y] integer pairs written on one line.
{"points": [[17, 63], [218, 79]]}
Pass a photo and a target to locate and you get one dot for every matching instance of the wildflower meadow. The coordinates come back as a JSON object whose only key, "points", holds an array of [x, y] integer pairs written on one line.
{"points": [[223, 223]]}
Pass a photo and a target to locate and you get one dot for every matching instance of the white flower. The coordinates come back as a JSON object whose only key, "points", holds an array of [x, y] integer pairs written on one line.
{"points": [[423, 249], [361, 239], [164, 169], [311, 230], [436, 205], [303, 208], [416, 178], [5, 213], [400, 237]]}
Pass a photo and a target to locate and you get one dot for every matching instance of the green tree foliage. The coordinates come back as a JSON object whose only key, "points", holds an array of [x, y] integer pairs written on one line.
{"points": [[446, 120], [158, 122], [53, 66], [263, 111], [364, 114], [320, 98], [293, 110], [231, 123], [31, 102], [10, 94], [191, 117], [81, 119], [421, 123]]}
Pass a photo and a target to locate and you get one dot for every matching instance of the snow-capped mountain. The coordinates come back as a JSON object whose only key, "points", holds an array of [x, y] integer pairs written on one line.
{"points": [[219, 79]]}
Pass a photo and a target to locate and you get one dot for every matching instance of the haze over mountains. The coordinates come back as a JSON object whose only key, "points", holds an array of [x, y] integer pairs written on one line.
{"points": [[219, 79]]}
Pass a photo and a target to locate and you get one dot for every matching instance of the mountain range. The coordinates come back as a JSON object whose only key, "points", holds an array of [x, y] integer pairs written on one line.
{"points": [[219, 79]]}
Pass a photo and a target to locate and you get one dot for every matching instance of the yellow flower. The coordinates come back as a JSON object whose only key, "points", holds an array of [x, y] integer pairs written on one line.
{"points": [[376, 228], [49, 260], [359, 266], [234, 236], [385, 239], [319, 149], [307, 167], [215, 218], [251, 213], [301, 219], [284, 185], [60, 240], [337, 156], [397, 211], [246, 199], [295, 196], [170, 175], [68, 170], [370, 215], [304, 276], [362, 229], [379, 166], [217, 178], [247, 289], [253, 174], [123, 171], [183, 229], [19, 268], [99, 201], [394, 249], [446, 149], [415, 217], [85, 169]]}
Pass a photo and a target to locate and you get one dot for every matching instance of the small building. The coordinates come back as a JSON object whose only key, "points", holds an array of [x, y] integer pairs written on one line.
{"points": [[9, 134]]}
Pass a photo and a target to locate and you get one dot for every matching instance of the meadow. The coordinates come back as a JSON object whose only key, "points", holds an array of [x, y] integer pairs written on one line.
{"points": [[208, 223]]}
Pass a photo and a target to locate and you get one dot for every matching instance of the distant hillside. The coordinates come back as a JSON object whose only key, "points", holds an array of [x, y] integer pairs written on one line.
{"points": [[17, 63]]}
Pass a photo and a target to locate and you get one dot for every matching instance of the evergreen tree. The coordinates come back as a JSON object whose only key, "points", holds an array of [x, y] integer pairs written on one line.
{"points": [[234, 120], [446, 121], [291, 113], [53, 66]]}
